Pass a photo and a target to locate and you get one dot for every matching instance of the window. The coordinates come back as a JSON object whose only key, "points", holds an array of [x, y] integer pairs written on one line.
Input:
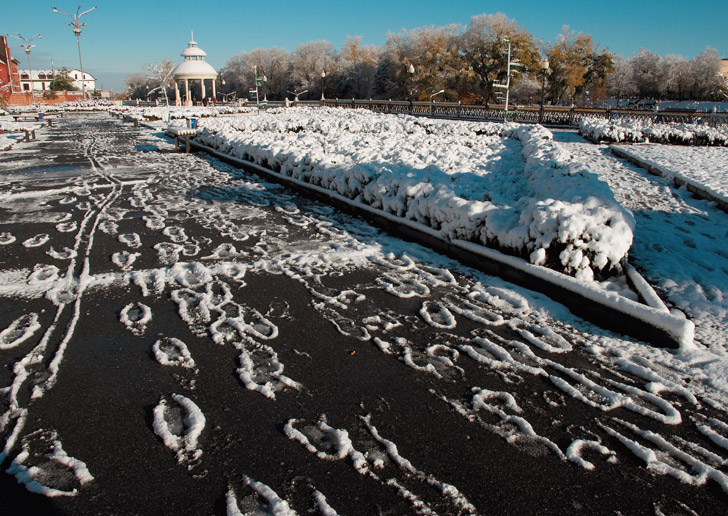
{"points": [[24, 76], [26, 87]]}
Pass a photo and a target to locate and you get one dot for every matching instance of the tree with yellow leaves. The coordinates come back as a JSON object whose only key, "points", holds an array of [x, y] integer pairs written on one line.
{"points": [[484, 47], [578, 68]]}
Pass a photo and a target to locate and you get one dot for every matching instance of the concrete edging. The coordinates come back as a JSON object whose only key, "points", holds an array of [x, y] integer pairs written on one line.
{"points": [[605, 309]]}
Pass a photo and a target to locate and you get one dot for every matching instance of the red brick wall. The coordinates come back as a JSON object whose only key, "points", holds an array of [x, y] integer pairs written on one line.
{"points": [[24, 99]]}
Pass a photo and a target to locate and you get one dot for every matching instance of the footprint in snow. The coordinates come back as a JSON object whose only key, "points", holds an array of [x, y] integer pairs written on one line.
{"points": [[6, 238], [124, 259], [42, 274], [130, 239], [154, 223], [173, 352], [37, 240], [136, 316], [45, 467], [109, 227], [168, 253], [65, 254], [175, 234], [66, 227], [179, 424], [261, 371], [261, 499], [20, 330]]}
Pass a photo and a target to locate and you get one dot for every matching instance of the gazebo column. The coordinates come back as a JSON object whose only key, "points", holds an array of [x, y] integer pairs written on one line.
{"points": [[214, 93], [202, 85], [187, 92], [176, 93]]}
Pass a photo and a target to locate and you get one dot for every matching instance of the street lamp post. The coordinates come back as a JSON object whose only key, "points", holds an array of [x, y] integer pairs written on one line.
{"points": [[323, 84], [27, 47], [77, 31], [410, 77], [544, 71]]}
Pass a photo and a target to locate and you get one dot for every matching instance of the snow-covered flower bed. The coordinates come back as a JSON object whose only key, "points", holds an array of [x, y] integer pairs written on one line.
{"points": [[167, 113], [637, 131], [705, 168], [506, 186]]}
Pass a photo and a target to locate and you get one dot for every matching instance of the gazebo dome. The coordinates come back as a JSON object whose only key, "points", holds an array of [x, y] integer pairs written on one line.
{"points": [[194, 70], [194, 65], [193, 50]]}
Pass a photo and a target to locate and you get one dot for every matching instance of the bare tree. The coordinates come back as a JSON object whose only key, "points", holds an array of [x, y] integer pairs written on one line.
{"points": [[621, 82], [648, 74], [138, 85], [161, 75], [676, 77], [705, 72], [308, 62]]}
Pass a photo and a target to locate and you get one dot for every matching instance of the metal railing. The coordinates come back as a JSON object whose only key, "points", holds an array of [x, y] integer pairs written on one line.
{"points": [[551, 115]]}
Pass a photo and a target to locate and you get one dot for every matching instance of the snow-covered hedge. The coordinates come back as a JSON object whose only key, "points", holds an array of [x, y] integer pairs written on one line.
{"points": [[501, 185], [178, 112], [638, 131]]}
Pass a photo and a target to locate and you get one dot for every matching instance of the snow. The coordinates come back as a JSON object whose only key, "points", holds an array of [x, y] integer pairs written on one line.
{"points": [[506, 186], [631, 130], [702, 167], [679, 242], [461, 328]]}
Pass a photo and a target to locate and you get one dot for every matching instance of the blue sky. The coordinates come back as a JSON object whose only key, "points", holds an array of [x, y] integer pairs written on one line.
{"points": [[121, 37]]}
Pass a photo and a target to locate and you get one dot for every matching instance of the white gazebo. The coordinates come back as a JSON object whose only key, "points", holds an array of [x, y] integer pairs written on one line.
{"points": [[192, 68]]}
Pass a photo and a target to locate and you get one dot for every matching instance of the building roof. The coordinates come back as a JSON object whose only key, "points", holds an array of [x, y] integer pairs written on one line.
{"points": [[194, 70], [194, 65]]}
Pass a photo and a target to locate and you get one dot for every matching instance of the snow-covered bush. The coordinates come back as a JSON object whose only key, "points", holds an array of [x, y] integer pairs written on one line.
{"points": [[178, 112], [501, 185], [637, 131]]}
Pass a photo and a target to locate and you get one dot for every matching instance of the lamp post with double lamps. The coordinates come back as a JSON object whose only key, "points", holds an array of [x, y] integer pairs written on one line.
{"points": [[544, 72], [76, 26], [27, 47]]}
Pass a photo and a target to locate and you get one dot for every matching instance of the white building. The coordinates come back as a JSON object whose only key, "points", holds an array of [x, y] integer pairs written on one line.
{"points": [[42, 80]]}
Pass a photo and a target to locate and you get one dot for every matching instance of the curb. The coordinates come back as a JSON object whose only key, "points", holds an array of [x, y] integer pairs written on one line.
{"points": [[605, 309]]}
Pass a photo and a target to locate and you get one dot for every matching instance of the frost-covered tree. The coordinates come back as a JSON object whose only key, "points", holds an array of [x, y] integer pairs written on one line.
{"points": [[676, 77], [138, 85], [484, 49], [161, 77], [273, 64], [308, 61], [620, 83], [705, 70], [432, 53], [357, 68], [648, 74]]}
